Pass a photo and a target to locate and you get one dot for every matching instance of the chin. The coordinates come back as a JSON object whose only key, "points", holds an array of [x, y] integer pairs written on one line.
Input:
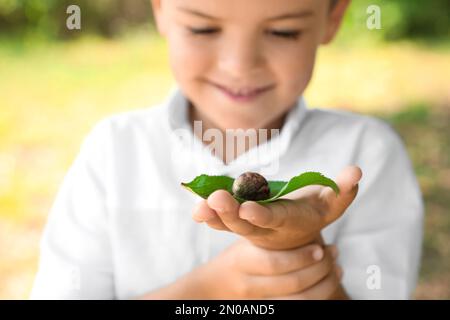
{"points": [[245, 124]]}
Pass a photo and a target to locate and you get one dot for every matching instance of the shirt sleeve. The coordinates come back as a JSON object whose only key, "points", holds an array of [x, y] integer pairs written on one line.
{"points": [[75, 253], [381, 234]]}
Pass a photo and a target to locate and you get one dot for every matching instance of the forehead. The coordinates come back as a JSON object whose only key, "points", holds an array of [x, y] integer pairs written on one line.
{"points": [[249, 10]]}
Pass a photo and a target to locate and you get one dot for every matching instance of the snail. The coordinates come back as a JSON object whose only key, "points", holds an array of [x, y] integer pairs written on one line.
{"points": [[251, 186]]}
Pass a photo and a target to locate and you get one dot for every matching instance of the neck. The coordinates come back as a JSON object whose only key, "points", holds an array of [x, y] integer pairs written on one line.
{"points": [[195, 115]]}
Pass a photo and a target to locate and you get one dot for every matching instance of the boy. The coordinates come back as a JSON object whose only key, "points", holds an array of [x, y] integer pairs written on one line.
{"points": [[120, 227]]}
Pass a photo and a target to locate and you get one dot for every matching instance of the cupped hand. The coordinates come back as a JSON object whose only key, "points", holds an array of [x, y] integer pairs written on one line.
{"points": [[286, 223]]}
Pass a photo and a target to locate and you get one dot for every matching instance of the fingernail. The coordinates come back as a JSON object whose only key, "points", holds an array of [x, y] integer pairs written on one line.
{"points": [[318, 254], [247, 217]]}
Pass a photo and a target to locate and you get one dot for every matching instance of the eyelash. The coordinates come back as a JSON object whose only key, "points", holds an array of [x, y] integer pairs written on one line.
{"points": [[291, 35], [286, 34], [202, 31]]}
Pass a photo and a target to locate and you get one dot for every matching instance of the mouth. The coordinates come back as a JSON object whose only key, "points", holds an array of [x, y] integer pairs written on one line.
{"points": [[244, 94]]}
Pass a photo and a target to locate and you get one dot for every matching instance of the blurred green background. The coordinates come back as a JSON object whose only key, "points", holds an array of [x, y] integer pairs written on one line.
{"points": [[56, 83]]}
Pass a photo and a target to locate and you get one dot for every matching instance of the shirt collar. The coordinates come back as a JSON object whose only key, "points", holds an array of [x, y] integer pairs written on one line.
{"points": [[178, 120]]}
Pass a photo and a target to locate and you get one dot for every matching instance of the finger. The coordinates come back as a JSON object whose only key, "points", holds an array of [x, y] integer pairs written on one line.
{"points": [[217, 224], [262, 215], [347, 182], [203, 213], [227, 209], [322, 290], [286, 261], [275, 262], [280, 213], [293, 282]]}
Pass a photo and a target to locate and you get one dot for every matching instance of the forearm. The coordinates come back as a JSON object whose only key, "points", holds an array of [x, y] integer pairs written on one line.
{"points": [[340, 294], [198, 285], [191, 286]]}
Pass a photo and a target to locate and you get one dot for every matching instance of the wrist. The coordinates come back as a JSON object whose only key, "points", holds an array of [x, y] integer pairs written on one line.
{"points": [[340, 294], [314, 239], [191, 286]]}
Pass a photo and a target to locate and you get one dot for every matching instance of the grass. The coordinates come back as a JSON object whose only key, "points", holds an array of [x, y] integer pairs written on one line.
{"points": [[52, 94]]}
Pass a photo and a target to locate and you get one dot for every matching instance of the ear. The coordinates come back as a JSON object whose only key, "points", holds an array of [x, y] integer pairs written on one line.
{"points": [[158, 15], [334, 20]]}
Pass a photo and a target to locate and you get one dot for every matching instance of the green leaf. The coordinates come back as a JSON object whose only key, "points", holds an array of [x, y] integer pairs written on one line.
{"points": [[275, 187], [204, 185], [300, 181]]}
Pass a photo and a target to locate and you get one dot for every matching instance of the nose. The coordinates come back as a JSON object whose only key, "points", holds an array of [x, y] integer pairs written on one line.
{"points": [[240, 58]]}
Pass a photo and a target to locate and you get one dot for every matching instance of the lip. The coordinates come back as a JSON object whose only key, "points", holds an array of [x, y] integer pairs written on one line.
{"points": [[252, 95]]}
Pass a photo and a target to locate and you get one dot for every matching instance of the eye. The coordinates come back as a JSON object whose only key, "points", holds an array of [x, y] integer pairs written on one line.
{"points": [[288, 34], [203, 31]]}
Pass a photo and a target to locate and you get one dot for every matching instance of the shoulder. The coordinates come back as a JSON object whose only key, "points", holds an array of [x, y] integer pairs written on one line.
{"points": [[369, 130], [147, 121], [342, 119], [121, 134], [147, 118]]}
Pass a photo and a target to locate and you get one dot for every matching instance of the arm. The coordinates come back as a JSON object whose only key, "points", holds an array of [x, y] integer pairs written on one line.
{"points": [[340, 294], [383, 227], [193, 286], [245, 271], [75, 257]]}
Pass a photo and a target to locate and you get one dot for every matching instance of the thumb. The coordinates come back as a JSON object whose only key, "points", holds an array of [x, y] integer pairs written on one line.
{"points": [[347, 182]]}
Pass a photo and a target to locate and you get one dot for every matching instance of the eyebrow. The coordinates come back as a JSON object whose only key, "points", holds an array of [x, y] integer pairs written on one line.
{"points": [[293, 15]]}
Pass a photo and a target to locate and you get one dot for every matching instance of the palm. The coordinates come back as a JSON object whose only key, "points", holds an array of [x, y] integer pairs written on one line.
{"points": [[287, 223], [295, 220]]}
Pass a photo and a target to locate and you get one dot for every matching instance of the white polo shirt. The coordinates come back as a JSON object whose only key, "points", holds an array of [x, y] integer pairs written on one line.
{"points": [[121, 224]]}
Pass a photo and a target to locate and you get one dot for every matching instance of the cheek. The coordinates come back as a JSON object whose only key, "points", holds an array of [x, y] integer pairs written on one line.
{"points": [[188, 60], [295, 67]]}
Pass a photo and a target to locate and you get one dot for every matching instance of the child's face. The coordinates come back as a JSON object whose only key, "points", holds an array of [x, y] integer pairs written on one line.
{"points": [[221, 51]]}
